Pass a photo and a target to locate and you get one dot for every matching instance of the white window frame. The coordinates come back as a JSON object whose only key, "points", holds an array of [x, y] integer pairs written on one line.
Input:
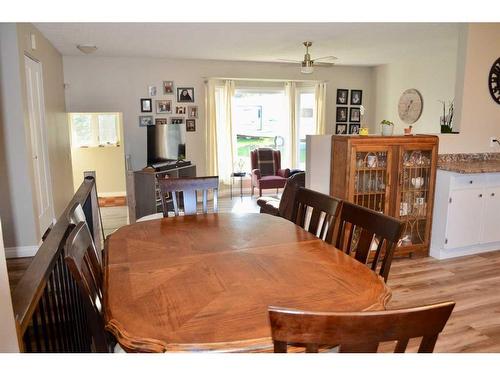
{"points": [[94, 124]]}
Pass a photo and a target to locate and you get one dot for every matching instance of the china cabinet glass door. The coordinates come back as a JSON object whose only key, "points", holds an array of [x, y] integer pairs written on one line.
{"points": [[414, 193], [371, 178]]}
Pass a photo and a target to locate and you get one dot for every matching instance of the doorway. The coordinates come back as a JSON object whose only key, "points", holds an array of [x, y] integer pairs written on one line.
{"points": [[97, 145], [44, 203]]}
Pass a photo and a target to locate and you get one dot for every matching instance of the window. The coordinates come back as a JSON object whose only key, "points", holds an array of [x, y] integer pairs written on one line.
{"points": [[259, 120], [305, 123], [94, 129]]}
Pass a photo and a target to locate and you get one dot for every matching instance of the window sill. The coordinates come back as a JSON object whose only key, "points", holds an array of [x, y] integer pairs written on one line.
{"points": [[99, 146]]}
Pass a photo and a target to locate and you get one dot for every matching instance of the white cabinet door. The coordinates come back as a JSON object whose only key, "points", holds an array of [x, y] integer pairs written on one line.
{"points": [[464, 218], [491, 215]]}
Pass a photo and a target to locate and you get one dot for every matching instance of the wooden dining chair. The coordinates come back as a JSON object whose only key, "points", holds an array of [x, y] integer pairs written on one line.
{"points": [[316, 213], [83, 264], [360, 230], [358, 332], [76, 215], [171, 187]]}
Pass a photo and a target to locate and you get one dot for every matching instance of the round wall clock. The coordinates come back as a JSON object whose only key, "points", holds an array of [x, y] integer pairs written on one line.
{"points": [[410, 106], [494, 81]]}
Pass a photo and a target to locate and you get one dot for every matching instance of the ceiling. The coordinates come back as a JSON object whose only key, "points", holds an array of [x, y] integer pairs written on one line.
{"points": [[366, 44]]}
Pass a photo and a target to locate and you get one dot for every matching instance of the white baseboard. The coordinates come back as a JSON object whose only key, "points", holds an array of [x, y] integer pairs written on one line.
{"points": [[463, 251], [20, 251], [112, 194]]}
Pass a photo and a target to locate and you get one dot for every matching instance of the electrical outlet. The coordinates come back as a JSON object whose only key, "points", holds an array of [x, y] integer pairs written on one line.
{"points": [[494, 142]]}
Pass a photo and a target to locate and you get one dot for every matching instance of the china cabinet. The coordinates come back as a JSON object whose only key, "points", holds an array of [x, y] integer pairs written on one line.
{"points": [[393, 175]]}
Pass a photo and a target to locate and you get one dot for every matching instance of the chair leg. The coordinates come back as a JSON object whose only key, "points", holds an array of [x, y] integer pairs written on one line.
{"points": [[251, 195], [260, 192]]}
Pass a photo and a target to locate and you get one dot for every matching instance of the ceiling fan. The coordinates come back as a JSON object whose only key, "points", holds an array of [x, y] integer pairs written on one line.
{"points": [[308, 64]]}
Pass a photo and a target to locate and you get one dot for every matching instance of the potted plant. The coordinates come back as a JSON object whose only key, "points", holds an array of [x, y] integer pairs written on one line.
{"points": [[446, 120], [387, 127]]}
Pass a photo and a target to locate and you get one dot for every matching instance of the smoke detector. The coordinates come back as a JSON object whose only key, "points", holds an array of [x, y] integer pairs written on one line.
{"points": [[87, 48]]}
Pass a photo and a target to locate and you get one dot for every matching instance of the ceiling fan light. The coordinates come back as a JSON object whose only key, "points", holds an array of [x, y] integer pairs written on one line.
{"points": [[306, 69]]}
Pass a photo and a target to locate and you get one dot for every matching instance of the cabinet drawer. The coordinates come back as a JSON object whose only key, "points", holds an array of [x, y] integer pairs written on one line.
{"points": [[472, 181]]}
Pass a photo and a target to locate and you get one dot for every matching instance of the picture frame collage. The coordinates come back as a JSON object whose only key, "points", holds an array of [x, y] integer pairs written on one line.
{"points": [[179, 109], [348, 111]]}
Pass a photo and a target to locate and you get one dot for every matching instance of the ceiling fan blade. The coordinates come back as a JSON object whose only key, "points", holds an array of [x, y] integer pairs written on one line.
{"points": [[290, 61], [324, 64], [326, 58]]}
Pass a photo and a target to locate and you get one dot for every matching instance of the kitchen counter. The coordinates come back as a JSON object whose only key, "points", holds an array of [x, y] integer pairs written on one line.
{"points": [[470, 163]]}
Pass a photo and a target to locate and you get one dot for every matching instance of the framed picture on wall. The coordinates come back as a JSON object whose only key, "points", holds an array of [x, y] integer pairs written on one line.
{"points": [[152, 90], [342, 114], [341, 129], [354, 114], [177, 120], [168, 87], [353, 128], [185, 94], [163, 106], [342, 96], [193, 111], [356, 97], [160, 121], [146, 121], [190, 125], [146, 105], [180, 110]]}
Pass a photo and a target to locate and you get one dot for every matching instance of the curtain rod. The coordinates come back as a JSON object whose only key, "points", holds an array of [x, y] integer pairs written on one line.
{"points": [[267, 79]]}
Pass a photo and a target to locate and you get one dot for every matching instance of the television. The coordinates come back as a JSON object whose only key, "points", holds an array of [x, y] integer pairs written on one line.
{"points": [[166, 142]]}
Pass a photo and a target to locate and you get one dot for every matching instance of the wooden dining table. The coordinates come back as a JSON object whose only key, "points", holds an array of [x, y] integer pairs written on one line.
{"points": [[204, 282]]}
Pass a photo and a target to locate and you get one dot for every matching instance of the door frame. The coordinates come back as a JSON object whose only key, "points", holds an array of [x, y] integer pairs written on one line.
{"points": [[44, 143]]}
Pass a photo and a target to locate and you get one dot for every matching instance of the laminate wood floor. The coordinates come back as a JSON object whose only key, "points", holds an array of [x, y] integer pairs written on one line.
{"points": [[472, 282]]}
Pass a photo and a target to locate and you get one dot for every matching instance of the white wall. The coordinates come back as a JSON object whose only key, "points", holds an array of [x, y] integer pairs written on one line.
{"points": [[8, 335], [98, 84], [56, 126], [433, 74], [479, 116], [16, 203], [318, 162]]}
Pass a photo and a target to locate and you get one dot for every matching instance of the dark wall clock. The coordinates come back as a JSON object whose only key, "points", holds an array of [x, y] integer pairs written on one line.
{"points": [[494, 81]]}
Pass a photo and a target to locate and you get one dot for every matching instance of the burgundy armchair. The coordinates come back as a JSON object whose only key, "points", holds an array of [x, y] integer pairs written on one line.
{"points": [[266, 170]]}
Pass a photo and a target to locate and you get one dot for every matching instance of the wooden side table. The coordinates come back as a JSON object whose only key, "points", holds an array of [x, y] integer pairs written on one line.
{"points": [[239, 175]]}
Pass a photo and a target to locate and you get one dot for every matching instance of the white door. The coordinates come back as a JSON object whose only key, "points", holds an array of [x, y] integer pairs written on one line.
{"points": [[464, 218], [491, 221], [36, 109]]}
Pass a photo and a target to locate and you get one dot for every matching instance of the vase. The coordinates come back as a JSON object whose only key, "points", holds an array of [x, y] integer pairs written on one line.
{"points": [[387, 130]]}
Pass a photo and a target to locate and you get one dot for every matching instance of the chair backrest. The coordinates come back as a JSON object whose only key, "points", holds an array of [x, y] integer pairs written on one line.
{"points": [[170, 187], [316, 212], [75, 216], [287, 200], [359, 332], [276, 158], [361, 230], [86, 271]]}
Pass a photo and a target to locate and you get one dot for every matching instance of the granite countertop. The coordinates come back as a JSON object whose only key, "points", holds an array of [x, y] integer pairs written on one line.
{"points": [[470, 163]]}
